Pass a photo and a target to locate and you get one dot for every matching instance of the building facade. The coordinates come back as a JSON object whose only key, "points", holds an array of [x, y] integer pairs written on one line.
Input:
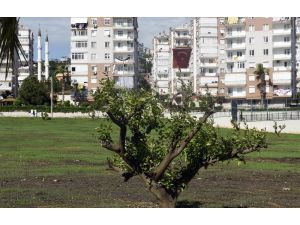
{"points": [[225, 53], [104, 46]]}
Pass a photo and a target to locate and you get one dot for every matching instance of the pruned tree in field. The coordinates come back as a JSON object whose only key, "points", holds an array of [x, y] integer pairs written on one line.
{"points": [[166, 153]]}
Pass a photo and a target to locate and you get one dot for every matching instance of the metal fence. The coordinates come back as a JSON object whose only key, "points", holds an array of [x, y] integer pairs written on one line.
{"points": [[265, 116]]}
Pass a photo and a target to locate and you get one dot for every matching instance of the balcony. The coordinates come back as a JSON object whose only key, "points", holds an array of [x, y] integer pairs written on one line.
{"points": [[235, 59], [235, 79], [182, 36], [281, 57], [131, 61], [235, 46], [125, 73], [281, 68], [123, 38], [282, 44], [208, 65], [208, 82], [123, 49], [234, 21], [281, 78], [278, 32], [235, 34], [122, 26]]}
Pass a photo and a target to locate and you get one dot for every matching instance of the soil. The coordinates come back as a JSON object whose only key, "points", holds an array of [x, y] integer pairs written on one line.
{"points": [[214, 188]]}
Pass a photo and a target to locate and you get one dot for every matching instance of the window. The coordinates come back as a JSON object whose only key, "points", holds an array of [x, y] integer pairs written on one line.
{"points": [[120, 33], [239, 29], [251, 52], [286, 39], [266, 51], [251, 28], [239, 53], [73, 69], [93, 44], [106, 21], [79, 32], [251, 40], [210, 70], [285, 64], [266, 39], [251, 89], [229, 54], [94, 69], [106, 68], [94, 21], [286, 26], [266, 27], [106, 44], [241, 65], [93, 56], [251, 78], [107, 33], [287, 51], [107, 56], [210, 61], [93, 33], [119, 45], [78, 56], [81, 44]]}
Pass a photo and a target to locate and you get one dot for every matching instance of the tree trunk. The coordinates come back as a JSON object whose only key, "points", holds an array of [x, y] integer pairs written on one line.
{"points": [[167, 202], [164, 199]]}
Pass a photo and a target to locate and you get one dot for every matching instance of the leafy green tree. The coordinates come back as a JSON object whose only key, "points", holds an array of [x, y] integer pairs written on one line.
{"points": [[166, 153], [33, 92]]}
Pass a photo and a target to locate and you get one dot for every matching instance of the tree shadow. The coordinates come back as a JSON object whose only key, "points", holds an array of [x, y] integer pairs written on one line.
{"points": [[188, 204]]}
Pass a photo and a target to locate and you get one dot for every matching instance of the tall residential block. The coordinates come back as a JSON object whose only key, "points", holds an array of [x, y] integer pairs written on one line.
{"points": [[104, 46]]}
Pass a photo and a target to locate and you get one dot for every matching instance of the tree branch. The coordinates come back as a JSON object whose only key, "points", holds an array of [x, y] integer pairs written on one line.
{"points": [[111, 146], [173, 153], [114, 119]]}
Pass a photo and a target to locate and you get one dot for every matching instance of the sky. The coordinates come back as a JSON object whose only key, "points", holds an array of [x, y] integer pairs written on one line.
{"points": [[58, 29]]}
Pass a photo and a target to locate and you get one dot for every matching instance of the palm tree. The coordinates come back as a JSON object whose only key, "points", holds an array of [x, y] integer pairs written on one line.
{"points": [[261, 73], [10, 46]]}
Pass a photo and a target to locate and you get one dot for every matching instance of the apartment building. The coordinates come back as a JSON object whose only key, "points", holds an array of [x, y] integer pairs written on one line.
{"points": [[25, 66], [248, 42], [225, 53], [104, 46], [180, 37], [161, 69], [204, 32]]}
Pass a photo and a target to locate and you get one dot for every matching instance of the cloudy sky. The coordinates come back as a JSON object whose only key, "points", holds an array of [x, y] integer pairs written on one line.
{"points": [[58, 29]]}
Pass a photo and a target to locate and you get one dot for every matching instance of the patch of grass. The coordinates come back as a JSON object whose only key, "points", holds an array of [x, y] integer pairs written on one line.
{"points": [[34, 153]]}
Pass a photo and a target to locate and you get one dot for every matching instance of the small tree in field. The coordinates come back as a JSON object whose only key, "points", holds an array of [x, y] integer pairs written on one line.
{"points": [[166, 153]]}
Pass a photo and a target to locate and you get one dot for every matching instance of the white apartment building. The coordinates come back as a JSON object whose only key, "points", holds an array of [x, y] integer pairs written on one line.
{"points": [[162, 63], [25, 67], [204, 31], [225, 53], [180, 37], [104, 46]]}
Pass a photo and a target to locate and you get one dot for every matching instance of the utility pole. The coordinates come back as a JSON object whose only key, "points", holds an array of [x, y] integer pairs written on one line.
{"points": [[293, 59]]}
